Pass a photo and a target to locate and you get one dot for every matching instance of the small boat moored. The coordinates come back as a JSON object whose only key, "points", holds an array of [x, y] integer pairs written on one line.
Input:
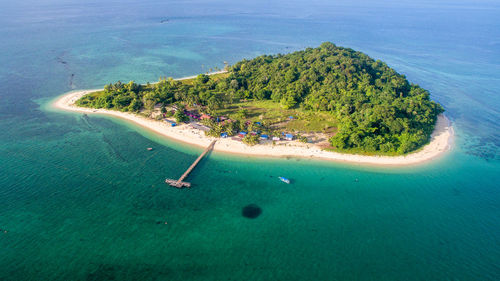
{"points": [[285, 180]]}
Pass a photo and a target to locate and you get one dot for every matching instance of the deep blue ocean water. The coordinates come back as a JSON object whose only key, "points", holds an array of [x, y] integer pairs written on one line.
{"points": [[82, 199]]}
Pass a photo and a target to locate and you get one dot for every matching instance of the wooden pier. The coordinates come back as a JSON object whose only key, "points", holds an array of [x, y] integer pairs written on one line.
{"points": [[180, 183]]}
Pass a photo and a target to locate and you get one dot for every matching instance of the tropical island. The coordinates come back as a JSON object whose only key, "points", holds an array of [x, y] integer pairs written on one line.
{"points": [[319, 102]]}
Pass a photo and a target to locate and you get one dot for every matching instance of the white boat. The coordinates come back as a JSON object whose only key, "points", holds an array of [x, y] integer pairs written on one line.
{"points": [[285, 180]]}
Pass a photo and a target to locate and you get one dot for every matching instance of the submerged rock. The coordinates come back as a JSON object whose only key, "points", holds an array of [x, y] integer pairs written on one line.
{"points": [[251, 211]]}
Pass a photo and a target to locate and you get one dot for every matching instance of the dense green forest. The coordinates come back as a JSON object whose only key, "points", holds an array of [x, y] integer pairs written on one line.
{"points": [[374, 108]]}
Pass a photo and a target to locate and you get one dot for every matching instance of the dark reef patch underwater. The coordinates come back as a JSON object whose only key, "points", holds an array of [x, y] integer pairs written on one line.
{"points": [[251, 211]]}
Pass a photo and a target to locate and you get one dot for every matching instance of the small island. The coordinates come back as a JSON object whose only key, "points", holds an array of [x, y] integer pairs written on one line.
{"points": [[326, 102]]}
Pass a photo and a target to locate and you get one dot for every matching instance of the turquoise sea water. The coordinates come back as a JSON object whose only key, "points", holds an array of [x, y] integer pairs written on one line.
{"points": [[82, 199]]}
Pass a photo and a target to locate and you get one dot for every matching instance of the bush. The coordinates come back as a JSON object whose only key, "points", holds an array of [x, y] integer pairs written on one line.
{"points": [[180, 116], [251, 140], [169, 113]]}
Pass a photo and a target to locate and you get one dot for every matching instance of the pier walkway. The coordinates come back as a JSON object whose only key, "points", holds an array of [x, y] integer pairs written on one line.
{"points": [[180, 183]]}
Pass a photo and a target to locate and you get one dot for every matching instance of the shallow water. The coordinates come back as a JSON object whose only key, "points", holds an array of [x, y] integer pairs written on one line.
{"points": [[82, 198]]}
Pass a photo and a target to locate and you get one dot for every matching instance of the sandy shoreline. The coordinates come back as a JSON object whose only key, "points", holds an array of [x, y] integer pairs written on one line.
{"points": [[441, 139]]}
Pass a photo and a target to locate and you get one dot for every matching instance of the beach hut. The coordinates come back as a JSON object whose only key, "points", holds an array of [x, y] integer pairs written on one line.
{"points": [[276, 138], [242, 134], [223, 135], [264, 137], [289, 137]]}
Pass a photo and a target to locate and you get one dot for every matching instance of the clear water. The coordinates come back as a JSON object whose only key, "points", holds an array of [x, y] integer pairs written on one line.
{"points": [[82, 199]]}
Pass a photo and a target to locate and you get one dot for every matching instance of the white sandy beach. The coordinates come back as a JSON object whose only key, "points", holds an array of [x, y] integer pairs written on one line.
{"points": [[441, 140]]}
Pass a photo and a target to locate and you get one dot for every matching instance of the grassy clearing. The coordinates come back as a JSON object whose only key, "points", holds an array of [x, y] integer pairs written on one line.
{"points": [[273, 114]]}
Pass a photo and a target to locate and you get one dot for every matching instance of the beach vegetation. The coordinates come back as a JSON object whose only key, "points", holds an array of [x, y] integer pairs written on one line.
{"points": [[251, 139], [180, 116]]}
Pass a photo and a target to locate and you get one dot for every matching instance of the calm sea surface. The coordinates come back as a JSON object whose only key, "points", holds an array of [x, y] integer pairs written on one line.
{"points": [[82, 198]]}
